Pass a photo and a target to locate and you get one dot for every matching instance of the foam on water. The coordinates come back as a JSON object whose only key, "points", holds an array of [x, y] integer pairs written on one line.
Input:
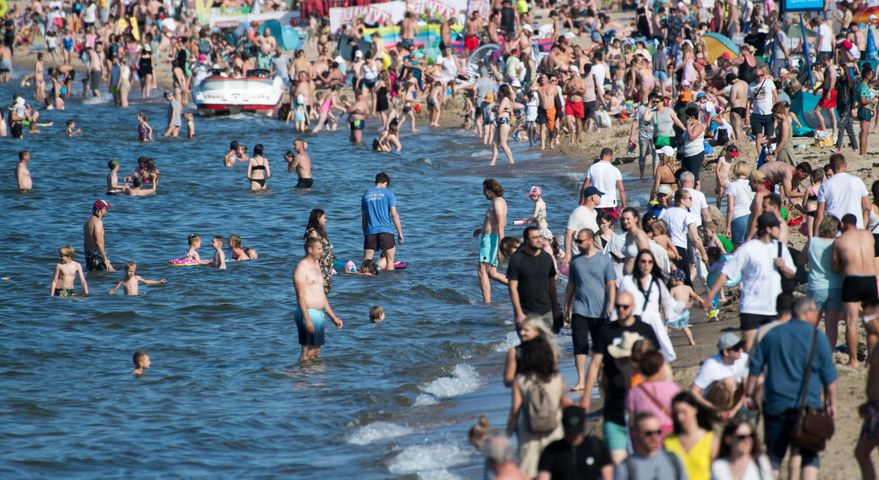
{"points": [[464, 379], [428, 461], [510, 341], [377, 431]]}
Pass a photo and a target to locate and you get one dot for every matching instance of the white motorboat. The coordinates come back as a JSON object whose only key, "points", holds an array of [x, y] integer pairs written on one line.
{"points": [[259, 92]]}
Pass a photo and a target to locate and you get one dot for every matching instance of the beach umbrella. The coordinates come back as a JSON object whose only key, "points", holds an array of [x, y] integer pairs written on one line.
{"points": [[716, 45]]}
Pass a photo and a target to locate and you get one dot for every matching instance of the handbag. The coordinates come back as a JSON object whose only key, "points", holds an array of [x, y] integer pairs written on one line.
{"points": [[813, 427]]}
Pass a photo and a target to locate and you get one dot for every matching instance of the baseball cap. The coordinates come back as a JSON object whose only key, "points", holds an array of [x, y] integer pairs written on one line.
{"points": [[728, 340], [767, 220], [358, 54], [535, 190], [732, 151], [99, 204], [667, 151], [678, 274], [664, 190], [590, 190], [573, 420]]}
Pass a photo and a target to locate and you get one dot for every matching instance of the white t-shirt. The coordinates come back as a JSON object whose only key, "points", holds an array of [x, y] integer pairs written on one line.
{"points": [[90, 14], [601, 72], [825, 33], [754, 261], [761, 96], [742, 195], [679, 221], [842, 195], [699, 203], [583, 217], [713, 369], [604, 176]]}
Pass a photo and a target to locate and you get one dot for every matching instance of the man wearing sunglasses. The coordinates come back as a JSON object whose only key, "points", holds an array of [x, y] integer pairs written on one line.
{"points": [[611, 336], [650, 460]]}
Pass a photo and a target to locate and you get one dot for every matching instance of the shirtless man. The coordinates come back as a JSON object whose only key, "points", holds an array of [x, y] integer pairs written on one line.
{"points": [[492, 232], [757, 182], [471, 36], [788, 176], [827, 102], [267, 43], [546, 91], [738, 102], [574, 89], [93, 232], [312, 305], [22, 173], [112, 178], [301, 164], [5, 63], [137, 190], [446, 33], [645, 78], [853, 257], [356, 116], [132, 280], [772, 203], [301, 64], [408, 30], [95, 71]]}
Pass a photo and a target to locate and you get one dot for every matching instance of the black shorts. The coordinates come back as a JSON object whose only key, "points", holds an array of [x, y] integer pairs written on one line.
{"points": [[305, 183], [583, 332], [876, 244], [753, 321], [379, 241], [860, 289], [589, 109], [541, 116], [762, 124]]}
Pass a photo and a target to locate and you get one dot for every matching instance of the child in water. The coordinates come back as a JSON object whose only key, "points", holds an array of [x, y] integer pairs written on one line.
{"points": [[194, 244], [65, 273], [376, 314], [389, 138], [238, 253], [132, 279], [72, 131], [219, 260], [684, 297], [190, 124], [144, 130], [141, 362]]}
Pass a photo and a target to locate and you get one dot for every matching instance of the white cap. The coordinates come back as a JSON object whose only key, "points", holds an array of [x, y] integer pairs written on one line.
{"points": [[573, 68], [358, 54], [667, 151], [527, 27]]}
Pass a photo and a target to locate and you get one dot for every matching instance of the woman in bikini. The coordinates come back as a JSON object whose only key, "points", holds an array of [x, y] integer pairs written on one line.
{"points": [[258, 169], [504, 124], [327, 103], [665, 171]]}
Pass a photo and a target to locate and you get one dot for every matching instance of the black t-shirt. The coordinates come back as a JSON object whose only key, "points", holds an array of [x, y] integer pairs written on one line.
{"points": [[534, 274], [566, 462], [508, 21], [610, 334]]}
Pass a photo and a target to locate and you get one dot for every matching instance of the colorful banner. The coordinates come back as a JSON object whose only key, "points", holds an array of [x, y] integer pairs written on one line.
{"points": [[389, 13], [230, 20]]}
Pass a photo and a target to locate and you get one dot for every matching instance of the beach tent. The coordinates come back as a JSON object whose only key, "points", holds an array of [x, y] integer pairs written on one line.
{"points": [[286, 36], [363, 45], [805, 106], [717, 44]]}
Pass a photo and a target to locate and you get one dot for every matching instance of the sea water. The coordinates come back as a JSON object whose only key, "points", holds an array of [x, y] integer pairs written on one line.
{"points": [[225, 394]]}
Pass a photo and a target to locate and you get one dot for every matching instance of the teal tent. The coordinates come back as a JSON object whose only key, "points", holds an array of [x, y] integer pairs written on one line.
{"points": [[285, 35]]}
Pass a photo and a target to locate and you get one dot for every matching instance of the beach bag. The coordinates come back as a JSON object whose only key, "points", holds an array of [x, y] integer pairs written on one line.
{"points": [[541, 409], [813, 427], [604, 119]]}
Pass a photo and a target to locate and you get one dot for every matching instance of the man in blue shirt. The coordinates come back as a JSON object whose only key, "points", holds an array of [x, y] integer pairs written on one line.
{"points": [[379, 220], [781, 355]]}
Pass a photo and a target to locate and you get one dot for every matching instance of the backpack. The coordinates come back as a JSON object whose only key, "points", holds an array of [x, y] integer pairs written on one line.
{"points": [[541, 409]]}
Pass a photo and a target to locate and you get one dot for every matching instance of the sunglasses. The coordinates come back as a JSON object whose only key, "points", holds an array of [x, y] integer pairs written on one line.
{"points": [[651, 433], [620, 305], [584, 240], [742, 438]]}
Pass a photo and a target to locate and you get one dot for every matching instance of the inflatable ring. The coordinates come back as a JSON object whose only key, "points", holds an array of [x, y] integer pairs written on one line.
{"points": [[183, 262]]}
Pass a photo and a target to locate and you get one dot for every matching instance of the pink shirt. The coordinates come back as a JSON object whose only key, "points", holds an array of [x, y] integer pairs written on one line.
{"points": [[664, 391]]}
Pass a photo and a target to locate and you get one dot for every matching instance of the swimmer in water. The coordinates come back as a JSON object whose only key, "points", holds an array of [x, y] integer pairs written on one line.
{"points": [[141, 362], [72, 131], [194, 244], [144, 130], [219, 261], [299, 161], [137, 190], [132, 279], [22, 173], [312, 306], [389, 138], [238, 253], [376, 314], [65, 273], [112, 179], [258, 169], [232, 155]]}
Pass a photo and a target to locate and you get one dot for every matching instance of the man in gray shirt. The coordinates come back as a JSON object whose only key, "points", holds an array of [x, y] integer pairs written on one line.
{"points": [[589, 298], [650, 460]]}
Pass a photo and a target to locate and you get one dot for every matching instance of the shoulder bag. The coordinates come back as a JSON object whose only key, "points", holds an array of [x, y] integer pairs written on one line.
{"points": [[813, 427]]}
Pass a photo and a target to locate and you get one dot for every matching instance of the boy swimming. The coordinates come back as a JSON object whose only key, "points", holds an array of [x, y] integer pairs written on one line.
{"points": [[219, 260], [141, 362], [65, 273], [132, 279]]}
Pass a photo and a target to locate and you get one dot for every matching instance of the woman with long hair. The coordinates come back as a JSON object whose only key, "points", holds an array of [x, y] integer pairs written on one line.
{"points": [[531, 329], [537, 370], [866, 102], [739, 197], [647, 285], [634, 239], [504, 122], [824, 284], [317, 225], [693, 440], [656, 392], [740, 456]]}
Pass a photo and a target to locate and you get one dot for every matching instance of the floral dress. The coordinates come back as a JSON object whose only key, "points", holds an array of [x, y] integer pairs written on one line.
{"points": [[326, 260]]}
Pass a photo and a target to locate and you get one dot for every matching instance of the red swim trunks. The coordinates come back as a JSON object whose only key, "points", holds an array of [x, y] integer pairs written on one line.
{"points": [[471, 43], [575, 109], [828, 101]]}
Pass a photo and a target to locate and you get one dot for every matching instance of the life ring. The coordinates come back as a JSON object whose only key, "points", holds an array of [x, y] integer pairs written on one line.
{"points": [[183, 262]]}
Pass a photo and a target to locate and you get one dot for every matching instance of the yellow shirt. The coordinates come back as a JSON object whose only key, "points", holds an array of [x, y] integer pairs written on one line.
{"points": [[697, 461]]}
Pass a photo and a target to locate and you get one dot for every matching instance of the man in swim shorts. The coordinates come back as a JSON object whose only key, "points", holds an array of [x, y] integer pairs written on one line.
{"points": [[547, 92], [93, 232], [357, 115], [379, 219], [493, 225], [300, 162], [312, 306], [853, 257]]}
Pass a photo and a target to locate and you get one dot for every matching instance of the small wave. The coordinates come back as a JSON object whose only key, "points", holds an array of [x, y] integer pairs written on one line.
{"points": [[510, 341], [464, 379], [377, 431], [427, 461]]}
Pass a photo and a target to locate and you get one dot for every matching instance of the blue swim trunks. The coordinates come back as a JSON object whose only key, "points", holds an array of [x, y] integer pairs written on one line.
{"points": [[318, 319], [488, 248]]}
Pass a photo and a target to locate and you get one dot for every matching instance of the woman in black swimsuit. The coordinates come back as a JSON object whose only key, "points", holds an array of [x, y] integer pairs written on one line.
{"points": [[258, 169], [145, 69]]}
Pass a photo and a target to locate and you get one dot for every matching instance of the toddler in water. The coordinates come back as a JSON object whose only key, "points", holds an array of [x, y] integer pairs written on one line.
{"points": [[65, 273], [219, 260], [683, 296], [132, 279], [194, 245], [72, 131], [141, 361], [376, 314], [144, 130]]}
